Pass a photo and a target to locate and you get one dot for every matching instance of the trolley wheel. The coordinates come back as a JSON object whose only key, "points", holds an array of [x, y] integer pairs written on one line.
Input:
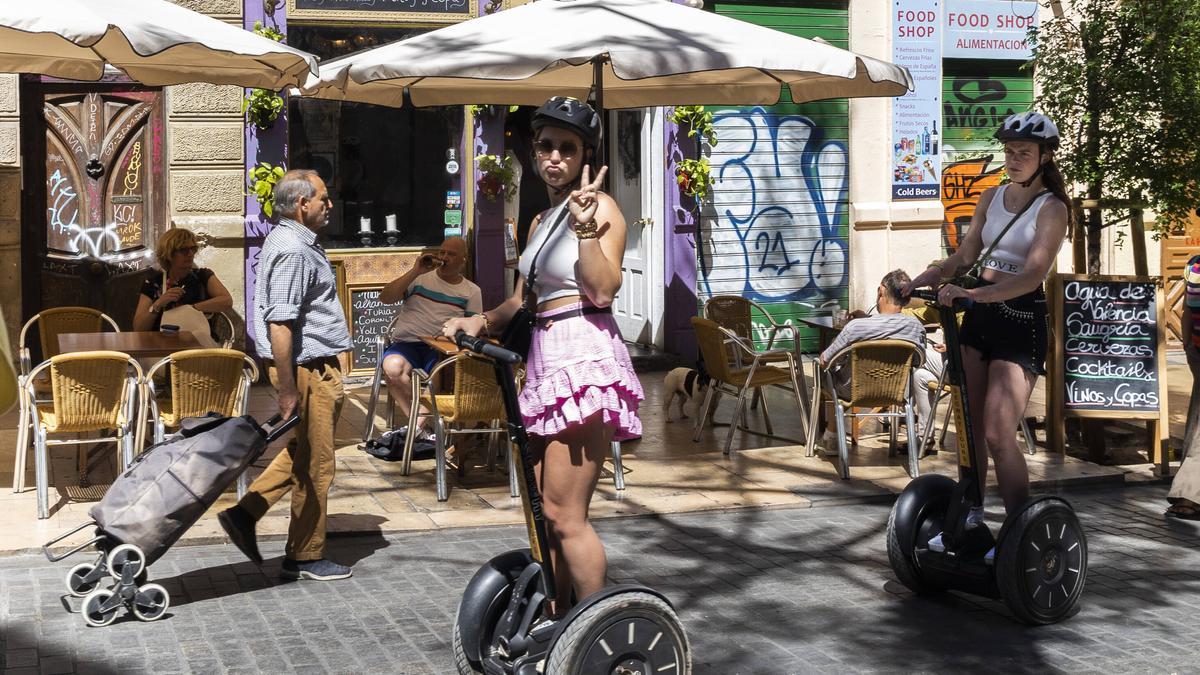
{"points": [[81, 579], [99, 608], [150, 602], [631, 632], [917, 515], [123, 556], [1041, 562]]}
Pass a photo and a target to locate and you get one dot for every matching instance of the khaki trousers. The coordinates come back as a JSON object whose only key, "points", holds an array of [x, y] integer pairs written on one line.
{"points": [[306, 465]]}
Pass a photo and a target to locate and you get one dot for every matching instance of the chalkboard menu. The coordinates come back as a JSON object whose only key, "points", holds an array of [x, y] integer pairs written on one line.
{"points": [[412, 6], [1110, 345], [368, 318]]}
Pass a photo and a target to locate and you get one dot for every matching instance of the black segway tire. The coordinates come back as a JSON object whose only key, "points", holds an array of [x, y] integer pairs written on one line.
{"points": [[636, 630], [464, 665], [918, 512], [1041, 562], [484, 600]]}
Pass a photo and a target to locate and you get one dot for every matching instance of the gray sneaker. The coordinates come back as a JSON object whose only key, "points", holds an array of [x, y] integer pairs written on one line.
{"points": [[316, 570]]}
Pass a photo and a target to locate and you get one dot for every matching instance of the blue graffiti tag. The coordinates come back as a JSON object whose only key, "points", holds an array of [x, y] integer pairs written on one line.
{"points": [[773, 231]]}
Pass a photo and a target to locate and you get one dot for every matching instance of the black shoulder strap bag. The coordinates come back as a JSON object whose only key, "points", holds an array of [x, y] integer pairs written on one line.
{"points": [[518, 334]]}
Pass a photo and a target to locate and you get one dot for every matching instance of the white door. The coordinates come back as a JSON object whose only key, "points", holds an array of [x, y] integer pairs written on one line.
{"points": [[627, 147]]}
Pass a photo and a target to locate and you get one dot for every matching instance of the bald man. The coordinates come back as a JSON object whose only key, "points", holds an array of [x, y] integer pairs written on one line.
{"points": [[434, 291]]}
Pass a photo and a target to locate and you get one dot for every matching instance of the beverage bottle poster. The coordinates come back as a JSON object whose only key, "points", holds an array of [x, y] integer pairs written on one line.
{"points": [[916, 139]]}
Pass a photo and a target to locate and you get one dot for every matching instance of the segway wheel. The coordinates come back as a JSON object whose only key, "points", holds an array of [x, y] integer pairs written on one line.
{"points": [[626, 633], [1041, 564], [461, 661], [78, 582], [150, 602], [917, 516], [96, 611]]}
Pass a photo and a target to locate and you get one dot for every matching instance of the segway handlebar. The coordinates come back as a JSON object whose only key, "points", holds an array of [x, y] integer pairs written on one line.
{"points": [[482, 346], [931, 295]]}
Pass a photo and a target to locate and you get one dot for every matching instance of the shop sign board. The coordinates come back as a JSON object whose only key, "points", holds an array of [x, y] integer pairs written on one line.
{"points": [[988, 29], [916, 45], [387, 11]]}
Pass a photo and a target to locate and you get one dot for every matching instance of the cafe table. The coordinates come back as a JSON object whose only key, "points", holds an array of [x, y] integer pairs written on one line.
{"points": [[138, 344]]}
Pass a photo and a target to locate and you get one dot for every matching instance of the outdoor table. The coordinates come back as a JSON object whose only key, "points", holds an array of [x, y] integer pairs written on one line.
{"points": [[138, 344]]}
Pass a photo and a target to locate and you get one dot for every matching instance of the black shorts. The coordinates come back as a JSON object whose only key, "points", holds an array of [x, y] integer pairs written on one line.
{"points": [[1011, 330]]}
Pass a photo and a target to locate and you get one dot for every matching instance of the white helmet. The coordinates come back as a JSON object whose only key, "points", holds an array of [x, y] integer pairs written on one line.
{"points": [[1029, 126]]}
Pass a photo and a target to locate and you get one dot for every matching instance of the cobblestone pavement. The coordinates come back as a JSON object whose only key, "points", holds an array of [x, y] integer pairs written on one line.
{"points": [[759, 591]]}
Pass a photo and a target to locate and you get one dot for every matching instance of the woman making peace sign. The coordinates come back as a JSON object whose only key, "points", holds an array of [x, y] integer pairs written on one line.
{"points": [[580, 389]]}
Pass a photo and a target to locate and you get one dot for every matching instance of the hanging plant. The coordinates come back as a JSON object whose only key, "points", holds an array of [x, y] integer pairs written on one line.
{"points": [[261, 183], [698, 121], [490, 110], [262, 107], [497, 177], [694, 178], [267, 31]]}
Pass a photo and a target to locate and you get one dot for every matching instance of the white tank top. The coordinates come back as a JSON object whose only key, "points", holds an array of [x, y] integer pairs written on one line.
{"points": [[558, 258], [1009, 255]]}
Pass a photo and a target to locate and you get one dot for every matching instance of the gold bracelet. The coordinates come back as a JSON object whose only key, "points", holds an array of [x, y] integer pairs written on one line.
{"points": [[938, 264], [588, 230], [487, 324]]}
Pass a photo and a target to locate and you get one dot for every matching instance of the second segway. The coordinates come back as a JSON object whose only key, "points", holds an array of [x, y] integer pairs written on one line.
{"points": [[1040, 561], [502, 625]]}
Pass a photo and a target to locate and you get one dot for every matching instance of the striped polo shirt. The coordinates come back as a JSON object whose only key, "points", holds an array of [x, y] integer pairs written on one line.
{"points": [[295, 282], [430, 301]]}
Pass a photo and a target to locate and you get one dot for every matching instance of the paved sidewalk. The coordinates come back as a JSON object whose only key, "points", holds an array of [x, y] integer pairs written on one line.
{"points": [[790, 590]]}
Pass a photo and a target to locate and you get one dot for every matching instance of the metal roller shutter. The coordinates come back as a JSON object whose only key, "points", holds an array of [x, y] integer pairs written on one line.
{"points": [[976, 97], [777, 228]]}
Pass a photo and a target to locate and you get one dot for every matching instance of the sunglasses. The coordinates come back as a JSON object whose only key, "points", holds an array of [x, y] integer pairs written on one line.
{"points": [[545, 147], [187, 249]]}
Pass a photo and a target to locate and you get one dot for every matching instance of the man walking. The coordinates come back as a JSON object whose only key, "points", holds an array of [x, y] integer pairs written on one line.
{"points": [[299, 323]]}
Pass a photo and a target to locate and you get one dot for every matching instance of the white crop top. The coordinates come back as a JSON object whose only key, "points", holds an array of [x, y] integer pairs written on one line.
{"points": [[1009, 255], [558, 258]]}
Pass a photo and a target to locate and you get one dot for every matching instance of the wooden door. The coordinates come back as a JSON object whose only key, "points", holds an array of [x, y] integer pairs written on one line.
{"points": [[1176, 250], [96, 204]]}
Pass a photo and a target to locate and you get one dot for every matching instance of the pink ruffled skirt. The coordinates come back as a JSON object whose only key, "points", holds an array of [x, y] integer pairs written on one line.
{"points": [[578, 367]]}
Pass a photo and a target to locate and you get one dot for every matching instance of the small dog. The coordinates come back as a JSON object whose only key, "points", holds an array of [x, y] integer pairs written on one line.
{"points": [[686, 384]]}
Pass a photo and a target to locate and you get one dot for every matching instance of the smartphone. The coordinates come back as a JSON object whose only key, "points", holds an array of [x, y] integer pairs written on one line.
{"points": [[169, 328]]}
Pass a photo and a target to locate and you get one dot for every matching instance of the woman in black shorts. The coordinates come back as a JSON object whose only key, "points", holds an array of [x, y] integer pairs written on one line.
{"points": [[1004, 334]]}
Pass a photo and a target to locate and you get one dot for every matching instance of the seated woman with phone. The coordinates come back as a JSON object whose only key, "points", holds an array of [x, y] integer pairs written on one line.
{"points": [[178, 284]]}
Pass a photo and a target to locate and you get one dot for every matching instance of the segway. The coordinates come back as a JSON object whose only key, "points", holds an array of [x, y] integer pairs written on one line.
{"points": [[1040, 562], [502, 625]]}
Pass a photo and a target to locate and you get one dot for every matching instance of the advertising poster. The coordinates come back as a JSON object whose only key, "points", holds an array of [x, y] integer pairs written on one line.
{"points": [[916, 152], [987, 29]]}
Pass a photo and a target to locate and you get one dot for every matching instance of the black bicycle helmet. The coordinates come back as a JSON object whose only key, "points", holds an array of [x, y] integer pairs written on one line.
{"points": [[1029, 126], [570, 114]]}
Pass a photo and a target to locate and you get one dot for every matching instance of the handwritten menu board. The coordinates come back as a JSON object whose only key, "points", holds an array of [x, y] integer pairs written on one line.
{"points": [[1110, 346], [426, 6], [368, 318]]}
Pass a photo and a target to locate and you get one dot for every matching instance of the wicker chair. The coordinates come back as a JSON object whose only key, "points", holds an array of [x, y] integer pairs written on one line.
{"points": [[729, 379], [50, 324], [224, 329], [880, 377], [736, 314], [201, 381], [90, 391]]}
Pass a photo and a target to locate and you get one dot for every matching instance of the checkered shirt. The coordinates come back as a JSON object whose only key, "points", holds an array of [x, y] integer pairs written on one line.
{"points": [[295, 282]]}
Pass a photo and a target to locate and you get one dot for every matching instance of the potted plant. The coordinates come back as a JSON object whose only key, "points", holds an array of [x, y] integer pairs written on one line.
{"points": [[261, 183], [697, 120], [694, 178], [496, 177]]}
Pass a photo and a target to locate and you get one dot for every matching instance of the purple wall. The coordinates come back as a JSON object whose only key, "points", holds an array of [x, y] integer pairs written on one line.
{"points": [[680, 230], [489, 215], [261, 146]]}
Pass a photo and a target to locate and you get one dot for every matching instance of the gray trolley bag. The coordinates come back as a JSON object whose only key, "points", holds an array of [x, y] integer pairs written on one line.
{"points": [[149, 507]]}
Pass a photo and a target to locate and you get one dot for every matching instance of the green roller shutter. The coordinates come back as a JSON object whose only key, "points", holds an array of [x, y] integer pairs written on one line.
{"points": [[777, 228], [976, 97]]}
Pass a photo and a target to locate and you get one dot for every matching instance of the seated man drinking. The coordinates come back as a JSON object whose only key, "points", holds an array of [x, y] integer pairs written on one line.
{"points": [[889, 323], [434, 291]]}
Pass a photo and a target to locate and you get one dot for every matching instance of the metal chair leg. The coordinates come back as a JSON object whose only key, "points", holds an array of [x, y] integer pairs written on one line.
{"points": [[766, 412], [914, 451], [512, 468], [839, 416], [893, 432], [739, 409], [618, 470], [23, 437], [1030, 444], [369, 423], [443, 489], [41, 470], [703, 412]]}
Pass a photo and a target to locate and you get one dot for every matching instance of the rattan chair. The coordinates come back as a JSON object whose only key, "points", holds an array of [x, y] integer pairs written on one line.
{"points": [[224, 329], [736, 314], [727, 378], [943, 392], [90, 391], [201, 381], [880, 377], [50, 324]]}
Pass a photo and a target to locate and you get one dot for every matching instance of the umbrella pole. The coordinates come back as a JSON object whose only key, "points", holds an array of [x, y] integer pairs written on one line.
{"points": [[598, 95]]}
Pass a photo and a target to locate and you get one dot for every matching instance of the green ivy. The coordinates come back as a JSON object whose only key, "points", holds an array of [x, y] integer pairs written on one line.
{"points": [[261, 184], [697, 120], [267, 32], [262, 107], [490, 110], [694, 178], [497, 177]]}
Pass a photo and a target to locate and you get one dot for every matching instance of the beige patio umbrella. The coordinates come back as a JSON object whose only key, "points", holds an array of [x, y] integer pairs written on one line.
{"points": [[634, 53], [153, 41]]}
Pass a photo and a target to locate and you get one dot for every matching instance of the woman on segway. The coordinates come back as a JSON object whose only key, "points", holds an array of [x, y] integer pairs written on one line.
{"points": [[580, 389], [1019, 228]]}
